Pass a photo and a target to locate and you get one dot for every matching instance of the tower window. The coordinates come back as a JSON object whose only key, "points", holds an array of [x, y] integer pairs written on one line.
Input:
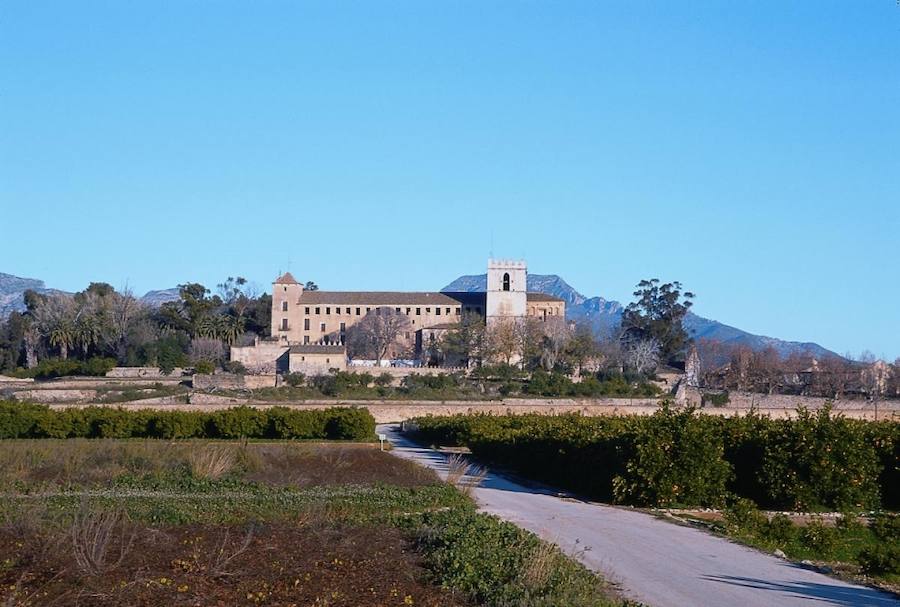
{"points": [[284, 325], [506, 281], [284, 306], [306, 324]]}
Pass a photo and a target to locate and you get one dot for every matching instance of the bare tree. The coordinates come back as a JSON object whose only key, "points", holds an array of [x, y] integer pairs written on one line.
{"points": [[503, 341], [556, 337], [642, 356], [211, 350], [376, 333]]}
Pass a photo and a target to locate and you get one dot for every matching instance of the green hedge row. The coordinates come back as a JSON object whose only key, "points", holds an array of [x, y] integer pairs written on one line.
{"points": [[26, 420], [817, 461]]}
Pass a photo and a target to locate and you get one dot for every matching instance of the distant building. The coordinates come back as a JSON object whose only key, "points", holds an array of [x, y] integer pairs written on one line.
{"points": [[302, 318]]}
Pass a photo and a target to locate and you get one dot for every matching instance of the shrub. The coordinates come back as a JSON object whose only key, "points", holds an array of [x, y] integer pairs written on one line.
{"points": [[204, 367], [780, 529], [715, 399], [886, 527], [26, 420], [818, 537], [350, 424], [295, 380], [497, 564], [677, 460], [239, 422], [743, 516], [384, 380], [236, 367], [293, 424], [679, 457], [820, 461], [882, 559], [56, 367]]}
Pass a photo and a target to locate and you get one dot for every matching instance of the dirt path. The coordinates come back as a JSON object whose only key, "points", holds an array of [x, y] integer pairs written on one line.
{"points": [[655, 562]]}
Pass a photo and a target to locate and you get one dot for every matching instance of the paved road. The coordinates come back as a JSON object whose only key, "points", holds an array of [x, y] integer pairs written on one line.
{"points": [[655, 562]]}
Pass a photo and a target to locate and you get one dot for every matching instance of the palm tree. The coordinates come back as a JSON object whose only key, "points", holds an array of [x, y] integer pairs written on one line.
{"points": [[233, 328], [62, 336], [87, 333]]}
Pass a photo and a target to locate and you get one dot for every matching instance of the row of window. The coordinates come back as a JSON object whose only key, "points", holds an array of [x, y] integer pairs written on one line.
{"points": [[408, 311]]}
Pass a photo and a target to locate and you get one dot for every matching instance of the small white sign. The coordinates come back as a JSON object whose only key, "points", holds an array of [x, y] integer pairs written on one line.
{"points": [[382, 437]]}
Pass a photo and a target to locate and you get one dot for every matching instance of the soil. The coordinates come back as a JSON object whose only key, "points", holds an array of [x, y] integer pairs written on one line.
{"points": [[302, 564]]}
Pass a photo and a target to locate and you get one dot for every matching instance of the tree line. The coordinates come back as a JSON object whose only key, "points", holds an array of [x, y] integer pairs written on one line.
{"points": [[103, 323]]}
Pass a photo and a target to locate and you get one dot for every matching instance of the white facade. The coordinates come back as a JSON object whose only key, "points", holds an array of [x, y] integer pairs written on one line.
{"points": [[506, 296]]}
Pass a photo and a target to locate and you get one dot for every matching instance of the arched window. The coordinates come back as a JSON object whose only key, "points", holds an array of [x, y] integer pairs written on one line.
{"points": [[506, 282]]}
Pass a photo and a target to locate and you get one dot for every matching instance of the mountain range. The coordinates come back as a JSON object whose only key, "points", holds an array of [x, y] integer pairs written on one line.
{"points": [[604, 315], [12, 293]]}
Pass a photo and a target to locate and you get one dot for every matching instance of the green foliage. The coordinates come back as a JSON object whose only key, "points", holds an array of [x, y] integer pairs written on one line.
{"points": [[677, 459], [882, 559], [500, 372], [498, 564], [657, 313], [543, 383], [814, 462], [339, 383], [818, 537], [715, 399], [168, 353], [56, 367], [204, 367], [236, 367], [742, 514], [820, 461], [295, 380], [26, 420], [384, 380]]}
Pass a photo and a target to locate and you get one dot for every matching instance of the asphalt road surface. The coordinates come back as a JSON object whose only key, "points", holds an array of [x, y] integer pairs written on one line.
{"points": [[655, 562]]}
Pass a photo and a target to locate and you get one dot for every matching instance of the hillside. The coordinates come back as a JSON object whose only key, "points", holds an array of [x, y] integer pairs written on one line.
{"points": [[605, 315]]}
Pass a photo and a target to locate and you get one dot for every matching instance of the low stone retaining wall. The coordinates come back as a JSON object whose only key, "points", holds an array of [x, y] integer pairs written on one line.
{"points": [[142, 372], [398, 411], [49, 395], [229, 381]]}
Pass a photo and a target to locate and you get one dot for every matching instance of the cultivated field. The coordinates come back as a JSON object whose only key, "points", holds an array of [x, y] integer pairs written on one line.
{"points": [[199, 522]]}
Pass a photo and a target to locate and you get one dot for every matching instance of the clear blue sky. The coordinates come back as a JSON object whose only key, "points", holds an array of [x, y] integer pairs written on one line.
{"points": [[750, 150]]}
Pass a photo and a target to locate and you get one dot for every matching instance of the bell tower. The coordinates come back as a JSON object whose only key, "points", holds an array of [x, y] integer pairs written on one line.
{"points": [[286, 292], [506, 296]]}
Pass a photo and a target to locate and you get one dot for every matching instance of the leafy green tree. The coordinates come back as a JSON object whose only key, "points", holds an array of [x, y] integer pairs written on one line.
{"points": [[311, 286], [657, 314], [466, 342]]}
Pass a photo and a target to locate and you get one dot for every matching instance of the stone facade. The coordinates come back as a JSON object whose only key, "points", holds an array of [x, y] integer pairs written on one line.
{"points": [[302, 317], [316, 359]]}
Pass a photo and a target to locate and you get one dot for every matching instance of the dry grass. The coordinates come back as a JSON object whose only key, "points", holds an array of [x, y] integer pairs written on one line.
{"points": [[541, 564], [226, 552], [212, 461], [93, 533], [66, 464], [463, 475]]}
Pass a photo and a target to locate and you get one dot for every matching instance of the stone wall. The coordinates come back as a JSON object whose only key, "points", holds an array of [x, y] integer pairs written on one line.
{"points": [[397, 411], [229, 381], [398, 373], [261, 357], [142, 373], [774, 402]]}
